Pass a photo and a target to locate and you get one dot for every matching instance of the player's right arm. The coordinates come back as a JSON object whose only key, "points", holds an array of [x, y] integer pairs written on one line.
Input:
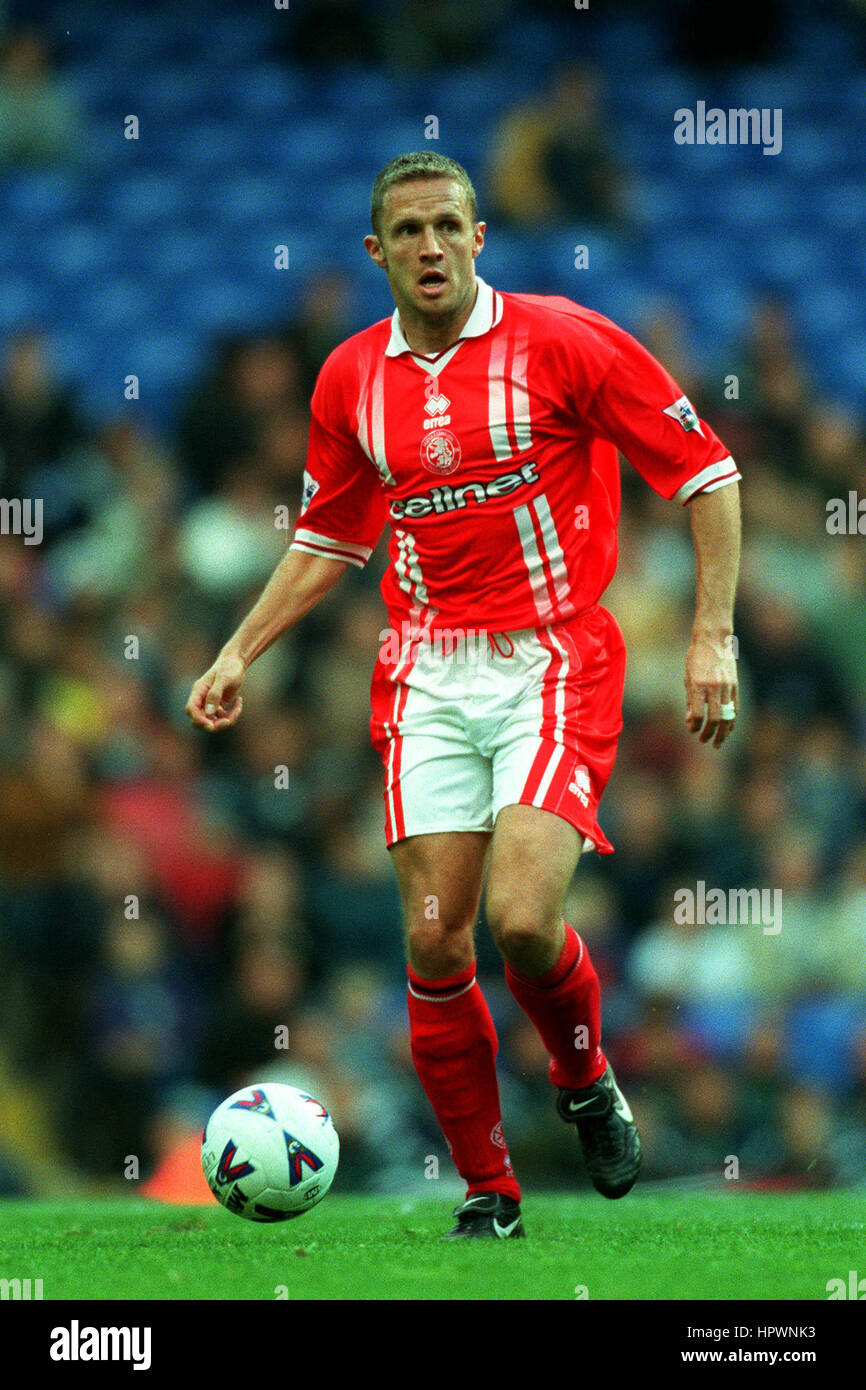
{"points": [[342, 515], [297, 584]]}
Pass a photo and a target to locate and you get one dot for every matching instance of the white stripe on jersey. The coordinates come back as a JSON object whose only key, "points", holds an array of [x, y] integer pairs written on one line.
{"points": [[539, 510], [408, 567], [534, 563], [375, 427], [555, 557], [497, 414], [508, 398], [520, 395]]}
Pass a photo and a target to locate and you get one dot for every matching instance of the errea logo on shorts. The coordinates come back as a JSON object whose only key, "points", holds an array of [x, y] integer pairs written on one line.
{"points": [[580, 785], [452, 499]]}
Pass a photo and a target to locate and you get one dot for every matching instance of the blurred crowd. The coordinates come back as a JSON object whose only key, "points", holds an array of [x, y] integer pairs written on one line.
{"points": [[180, 913]]}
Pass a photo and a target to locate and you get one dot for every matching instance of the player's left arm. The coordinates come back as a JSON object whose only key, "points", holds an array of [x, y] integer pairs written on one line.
{"points": [[640, 408], [711, 667]]}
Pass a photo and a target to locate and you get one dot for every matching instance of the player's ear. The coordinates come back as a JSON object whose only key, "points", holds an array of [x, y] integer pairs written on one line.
{"points": [[478, 242], [374, 247]]}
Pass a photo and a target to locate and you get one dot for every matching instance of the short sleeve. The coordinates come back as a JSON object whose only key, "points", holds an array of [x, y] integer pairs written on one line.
{"points": [[343, 507], [640, 408]]}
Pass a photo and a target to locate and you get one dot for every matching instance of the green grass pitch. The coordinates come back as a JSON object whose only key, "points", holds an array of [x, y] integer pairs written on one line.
{"points": [[672, 1246]]}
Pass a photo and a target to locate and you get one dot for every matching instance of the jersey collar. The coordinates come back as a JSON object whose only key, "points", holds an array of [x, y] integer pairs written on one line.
{"points": [[486, 313]]}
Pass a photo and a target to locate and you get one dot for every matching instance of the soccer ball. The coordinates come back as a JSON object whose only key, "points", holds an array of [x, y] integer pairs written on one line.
{"points": [[269, 1152]]}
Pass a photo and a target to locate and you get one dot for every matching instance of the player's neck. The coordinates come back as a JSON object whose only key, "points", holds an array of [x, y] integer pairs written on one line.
{"points": [[428, 338]]}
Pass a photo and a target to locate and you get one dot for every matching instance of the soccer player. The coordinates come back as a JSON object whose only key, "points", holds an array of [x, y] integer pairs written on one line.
{"points": [[483, 427]]}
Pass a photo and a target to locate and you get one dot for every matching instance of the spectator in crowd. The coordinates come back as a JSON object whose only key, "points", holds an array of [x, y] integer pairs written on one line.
{"points": [[39, 423], [329, 33], [40, 122], [225, 414], [416, 37], [552, 161]]}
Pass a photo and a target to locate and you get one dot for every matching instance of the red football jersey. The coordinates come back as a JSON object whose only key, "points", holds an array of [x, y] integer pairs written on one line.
{"points": [[495, 461]]}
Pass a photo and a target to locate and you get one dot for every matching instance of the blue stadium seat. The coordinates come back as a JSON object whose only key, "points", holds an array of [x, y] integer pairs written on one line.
{"points": [[556, 250], [344, 201], [230, 299], [73, 348], [820, 47], [679, 259], [392, 137], [145, 196], [365, 94], [811, 152], [117, 300], [825, 309], [655, 95], [770, 88], [20, 303], [163, 353], [639, 47], [842, 207], [247, 198], [210, 143], [463, 98], [310, 146], [81, 248], [659, 203], [756, 203], [787, 257], [540, 45], [846, 367], [175, 92], [719, 308], [245, 34], [176, 251], [40, 197], [266, 89]]}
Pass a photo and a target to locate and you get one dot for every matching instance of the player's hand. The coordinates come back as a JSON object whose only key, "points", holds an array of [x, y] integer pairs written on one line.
{"points": [[214, 702], [711, 688]]}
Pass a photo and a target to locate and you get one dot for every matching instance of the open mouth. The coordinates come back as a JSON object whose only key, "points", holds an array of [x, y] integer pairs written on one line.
{"points": [[432, 281]]}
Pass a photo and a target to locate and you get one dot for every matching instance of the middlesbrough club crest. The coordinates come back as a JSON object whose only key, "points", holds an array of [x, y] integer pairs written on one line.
{"points": [[440, 452]]}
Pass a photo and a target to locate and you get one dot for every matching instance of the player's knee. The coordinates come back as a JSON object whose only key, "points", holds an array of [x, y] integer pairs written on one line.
{"points": [[439, 948], [519, 930]]}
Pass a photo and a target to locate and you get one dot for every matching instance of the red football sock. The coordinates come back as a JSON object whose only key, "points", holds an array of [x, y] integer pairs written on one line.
{"points": [[454, 1048], [565, 1006]]}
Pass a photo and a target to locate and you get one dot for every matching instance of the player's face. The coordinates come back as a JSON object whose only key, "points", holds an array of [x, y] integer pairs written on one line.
{"points": [[427, 247]]}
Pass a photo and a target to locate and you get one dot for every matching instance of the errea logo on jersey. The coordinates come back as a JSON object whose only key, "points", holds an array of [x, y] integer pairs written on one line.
{"points": [[685, 414], [452, 499], [436, 407]]}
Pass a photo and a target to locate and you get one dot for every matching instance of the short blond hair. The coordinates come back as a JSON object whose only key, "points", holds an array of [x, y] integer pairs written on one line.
{"points": [[423, 164]]}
